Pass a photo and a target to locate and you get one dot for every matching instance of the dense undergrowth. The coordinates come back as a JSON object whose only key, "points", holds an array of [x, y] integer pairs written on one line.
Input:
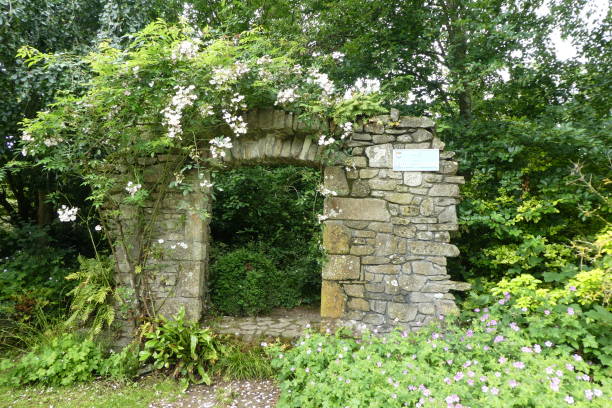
{"points": [[266, 238]]}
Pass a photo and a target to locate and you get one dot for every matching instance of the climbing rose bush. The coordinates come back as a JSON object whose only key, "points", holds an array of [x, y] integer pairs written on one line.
{"points": [[181, 90], [486, 359]]}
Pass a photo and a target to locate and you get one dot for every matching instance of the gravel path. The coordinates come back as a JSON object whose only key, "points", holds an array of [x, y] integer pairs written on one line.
{"points": [[233, 394]]}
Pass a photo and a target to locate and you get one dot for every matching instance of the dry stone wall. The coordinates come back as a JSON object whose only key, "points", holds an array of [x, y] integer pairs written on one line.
{"points": [[386, 233]]}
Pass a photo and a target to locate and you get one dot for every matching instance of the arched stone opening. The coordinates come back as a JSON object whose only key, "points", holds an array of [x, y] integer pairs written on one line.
{"points": [[386, 231]]}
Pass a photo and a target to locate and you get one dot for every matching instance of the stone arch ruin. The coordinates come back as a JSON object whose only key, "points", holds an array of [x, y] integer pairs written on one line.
{"points": [[386, 232]]}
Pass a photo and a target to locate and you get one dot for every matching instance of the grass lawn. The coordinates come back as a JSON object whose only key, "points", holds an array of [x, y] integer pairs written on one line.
{"points": [[102, 394]]}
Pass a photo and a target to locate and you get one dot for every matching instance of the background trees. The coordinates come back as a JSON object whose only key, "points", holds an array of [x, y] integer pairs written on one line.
{"points": [[531, 129]]}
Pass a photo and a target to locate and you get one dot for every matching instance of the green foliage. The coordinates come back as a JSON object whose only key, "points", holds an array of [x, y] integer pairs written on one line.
{"points": [[64, 360], [123, 365], [246, 282], [494, 357], [32, 271], [523, 205], [131, 96], [181, 347], [240, 362], [94, 295], [98, 394], [273, 210], [574, 317]]}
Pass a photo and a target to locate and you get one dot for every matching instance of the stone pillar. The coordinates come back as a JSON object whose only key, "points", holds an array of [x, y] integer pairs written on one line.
{"points": [[178, 266], [387, 232], [162, 248]]}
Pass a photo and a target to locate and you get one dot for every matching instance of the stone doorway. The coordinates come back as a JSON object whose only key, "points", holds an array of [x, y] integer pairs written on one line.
{"points": [[386, 232], [265, 218]]}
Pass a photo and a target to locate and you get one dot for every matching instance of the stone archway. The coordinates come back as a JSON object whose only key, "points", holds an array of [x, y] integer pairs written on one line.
{"points": [[386, 232]]}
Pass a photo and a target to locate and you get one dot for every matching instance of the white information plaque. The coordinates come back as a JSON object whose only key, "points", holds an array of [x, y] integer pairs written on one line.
{"points": [[416, 160]]}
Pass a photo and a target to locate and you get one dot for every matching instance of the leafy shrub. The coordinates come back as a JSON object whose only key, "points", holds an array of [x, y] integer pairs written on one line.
{"points": [[240, 362], [245, 282], [182, 347], [568, 316], [274, 209], [32, 272], [522, 203], [122, 365], [489, 358], [93, 296], [64, 360]]}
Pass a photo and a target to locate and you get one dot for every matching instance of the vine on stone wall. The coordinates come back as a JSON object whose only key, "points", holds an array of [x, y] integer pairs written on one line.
{"points": [[182, 93]]}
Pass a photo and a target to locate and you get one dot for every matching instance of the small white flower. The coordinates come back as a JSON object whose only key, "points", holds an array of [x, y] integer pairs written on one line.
{"points": [[98, 228], [132, 188], [67, 214], [286, 96], [337, 55], [160, 241], [325, 141]]}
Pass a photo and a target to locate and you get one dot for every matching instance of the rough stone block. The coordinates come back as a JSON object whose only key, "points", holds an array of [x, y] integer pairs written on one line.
{"points": [[368, 173], [409, 210], [406, 231], [413, 178], [448, 167], [437, 144], [421, 135], [412, 282], [360, 209], [383, 269], [415, 122], [354, 290], [422, 145], [432, 248], [427, 308], [360, 188], [379, 139], [423, 268], [359, 225], [436, 287], [444, 190], [363, 137], [342, 267], [336, 238], [332, 300], [446, 307], [335, 180], [375, 287], [399, 198], [402, 311], [383, 184], [448, 215], [374, 318], [380, 155], [357, 162], [361, 250], [374, 127], [381, 227], [359, 304], [425, 236]]}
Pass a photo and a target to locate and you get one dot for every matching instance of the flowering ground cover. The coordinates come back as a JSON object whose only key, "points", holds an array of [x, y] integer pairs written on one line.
{"points": [[488, 360]]}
